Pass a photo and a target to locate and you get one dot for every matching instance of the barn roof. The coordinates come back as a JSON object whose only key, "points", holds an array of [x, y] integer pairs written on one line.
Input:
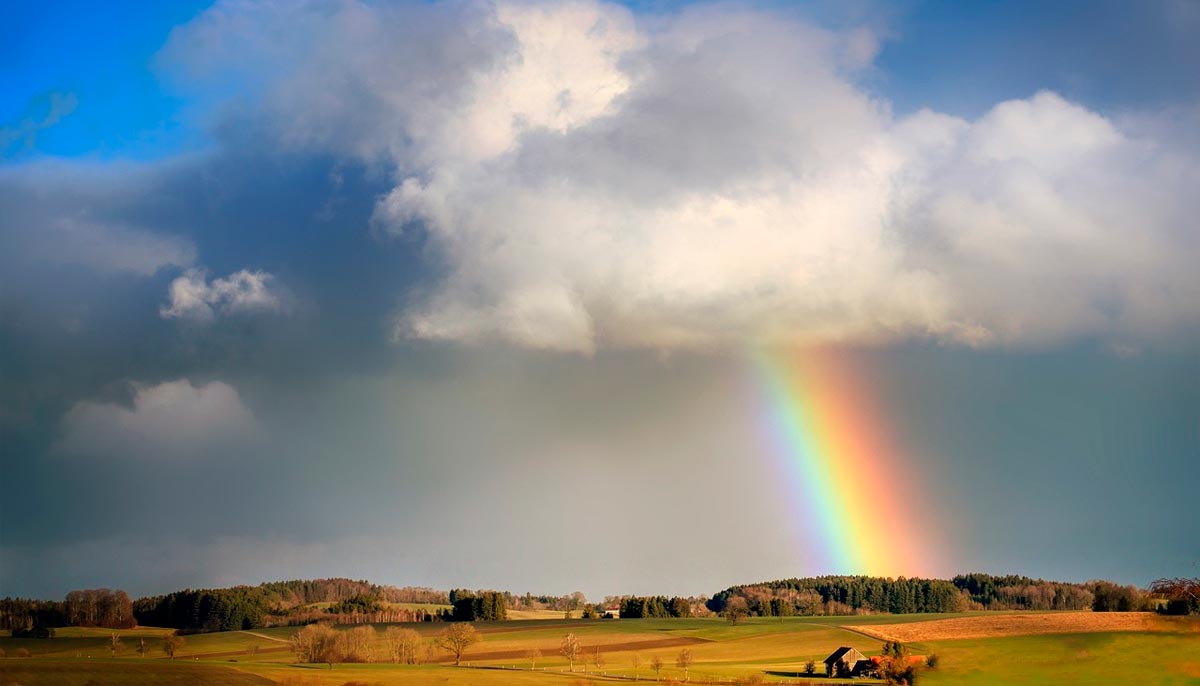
{"points": [[846, 653]]}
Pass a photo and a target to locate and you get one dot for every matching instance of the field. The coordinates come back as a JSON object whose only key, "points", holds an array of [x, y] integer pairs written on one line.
{"points": [[979, 648]]}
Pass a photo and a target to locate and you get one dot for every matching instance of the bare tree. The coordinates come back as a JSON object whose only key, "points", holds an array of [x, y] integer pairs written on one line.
{"points": [[171, 644], [534, 655], [636, 660], [570, 649], [598, 660], [317, 643], [684, 661], [656, 663], [1182, 594], [356, 644], [141, 647], [403, 645], [456, 638], [114, 644]]}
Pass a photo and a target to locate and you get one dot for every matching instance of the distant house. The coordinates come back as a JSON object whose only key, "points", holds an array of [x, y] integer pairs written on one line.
{"points": [[611, 613], [847, 661]]}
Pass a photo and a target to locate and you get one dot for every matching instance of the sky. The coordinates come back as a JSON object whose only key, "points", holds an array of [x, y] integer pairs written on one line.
{"points": [[656, 297]]}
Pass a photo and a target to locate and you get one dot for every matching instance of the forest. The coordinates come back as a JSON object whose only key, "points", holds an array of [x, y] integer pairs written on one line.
{"points": [[841, 595]]}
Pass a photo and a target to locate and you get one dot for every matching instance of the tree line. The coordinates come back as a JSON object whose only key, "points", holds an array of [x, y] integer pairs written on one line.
{"points": [[360, 602], [834, 595], [323, 644], [838, 595], [477, 606], [636, 607], [252, 607], [93, 607]]}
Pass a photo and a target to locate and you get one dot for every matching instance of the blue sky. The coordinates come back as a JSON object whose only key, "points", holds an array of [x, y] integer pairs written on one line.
{"points": [[1111, 54], [332, 283], [103, 54]]}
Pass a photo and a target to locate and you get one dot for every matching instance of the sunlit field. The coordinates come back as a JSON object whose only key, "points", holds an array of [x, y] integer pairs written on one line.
{"points": [[758, 650]]}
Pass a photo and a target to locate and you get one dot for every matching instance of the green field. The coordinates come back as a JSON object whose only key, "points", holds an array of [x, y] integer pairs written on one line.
{"points": [[770, 650]]}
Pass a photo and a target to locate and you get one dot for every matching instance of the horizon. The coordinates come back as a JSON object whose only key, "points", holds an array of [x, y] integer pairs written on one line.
{"points": [[597, 600], [642, 298]]}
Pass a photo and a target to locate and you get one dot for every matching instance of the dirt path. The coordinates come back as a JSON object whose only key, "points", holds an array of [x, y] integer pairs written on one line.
{"points": [[264, 636]]}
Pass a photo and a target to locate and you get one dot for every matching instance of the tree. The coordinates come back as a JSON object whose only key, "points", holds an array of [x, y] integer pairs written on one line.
{"points": [[486, 606], [114, 644], [897, 667], [810, 667], [1109, 597], [317, 643], [534, 655], [357, 644], [735, 610], [456, 638], [171, 645], [636, 660], [141, 647], [684, 661], [1182, 595], [570, 649], [403, 645], [598, 660], [656, 663]]}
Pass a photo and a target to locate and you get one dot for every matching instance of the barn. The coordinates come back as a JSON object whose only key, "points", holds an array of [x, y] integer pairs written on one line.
{"points": [[847, 661]]}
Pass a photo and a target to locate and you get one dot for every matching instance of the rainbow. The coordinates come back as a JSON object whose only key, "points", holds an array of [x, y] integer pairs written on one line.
{"points": [[853, 485]]}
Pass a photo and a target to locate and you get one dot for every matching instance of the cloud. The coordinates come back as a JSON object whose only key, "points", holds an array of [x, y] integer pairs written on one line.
{"points": [[170, 419], [22, 135], [712, 177], [63, 214], [195, 299], [111, 247]]}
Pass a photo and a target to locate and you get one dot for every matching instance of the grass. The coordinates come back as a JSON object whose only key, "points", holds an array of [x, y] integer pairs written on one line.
{"points": [[119, 672], [772, 649], [1094, 658]]}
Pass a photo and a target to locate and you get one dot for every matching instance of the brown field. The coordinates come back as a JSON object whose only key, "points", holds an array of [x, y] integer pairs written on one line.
{"points": [[1024, 625], [550, 648]]}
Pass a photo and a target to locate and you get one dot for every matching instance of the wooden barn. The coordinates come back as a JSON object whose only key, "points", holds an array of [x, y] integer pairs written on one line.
{"points": [[847, 661]]}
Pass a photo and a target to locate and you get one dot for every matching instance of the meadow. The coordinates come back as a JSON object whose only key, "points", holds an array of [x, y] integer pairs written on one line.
{"points": [[973, 648]]}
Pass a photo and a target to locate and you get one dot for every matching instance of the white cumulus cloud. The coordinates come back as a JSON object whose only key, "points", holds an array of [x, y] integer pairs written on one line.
{"points": [[713, 177], [167, 420], [194, 298]]}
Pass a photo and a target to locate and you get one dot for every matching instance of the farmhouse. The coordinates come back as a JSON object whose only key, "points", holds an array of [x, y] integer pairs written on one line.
{"points": [[847, 661], [611, 613]]}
